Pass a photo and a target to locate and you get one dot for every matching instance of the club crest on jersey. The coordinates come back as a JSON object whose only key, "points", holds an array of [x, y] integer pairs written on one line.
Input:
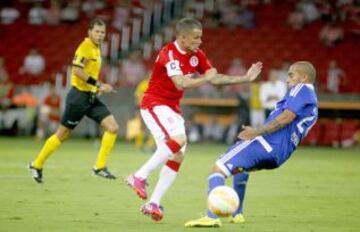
{"points": [[194, 61]]}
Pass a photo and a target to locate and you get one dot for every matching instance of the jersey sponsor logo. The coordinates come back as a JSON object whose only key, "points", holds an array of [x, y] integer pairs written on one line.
{"points": [[194, 61]]}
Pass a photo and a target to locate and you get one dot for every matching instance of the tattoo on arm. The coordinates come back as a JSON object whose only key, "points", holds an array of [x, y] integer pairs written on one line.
{"points": [[279, 122], [271, 127]]}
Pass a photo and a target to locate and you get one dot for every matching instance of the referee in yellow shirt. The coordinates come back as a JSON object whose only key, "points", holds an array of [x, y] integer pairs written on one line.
{"points": [[82, 101]]}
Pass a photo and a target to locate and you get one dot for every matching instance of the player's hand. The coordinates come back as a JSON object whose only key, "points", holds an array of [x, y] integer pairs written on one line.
{"points": [[106, 88], [248, 133], [253, 72], [210, 74]]}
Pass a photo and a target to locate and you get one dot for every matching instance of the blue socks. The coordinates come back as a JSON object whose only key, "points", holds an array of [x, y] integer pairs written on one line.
{"points": [[215, 180], [239, 184]]}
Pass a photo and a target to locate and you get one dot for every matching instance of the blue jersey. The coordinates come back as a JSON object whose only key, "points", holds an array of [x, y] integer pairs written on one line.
{"points": [[301, 100], [272, 150]]}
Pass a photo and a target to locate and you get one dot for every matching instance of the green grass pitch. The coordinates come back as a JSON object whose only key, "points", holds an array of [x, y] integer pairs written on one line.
{"points": [[317, 190]]}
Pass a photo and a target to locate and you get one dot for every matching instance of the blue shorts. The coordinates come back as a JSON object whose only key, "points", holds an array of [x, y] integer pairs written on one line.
{"points": [[248, 155]]}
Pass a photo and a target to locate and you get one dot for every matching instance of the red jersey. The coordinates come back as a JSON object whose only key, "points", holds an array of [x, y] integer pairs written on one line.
{"points": [[172, 61], [54, 104]]}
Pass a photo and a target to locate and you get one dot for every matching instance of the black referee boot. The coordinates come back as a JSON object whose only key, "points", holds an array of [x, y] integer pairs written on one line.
{"points": [[36, 173], [103, 172]]}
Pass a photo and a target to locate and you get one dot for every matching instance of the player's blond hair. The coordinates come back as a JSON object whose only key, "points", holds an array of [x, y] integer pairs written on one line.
{"points": [[306, 68], [186, 25]]}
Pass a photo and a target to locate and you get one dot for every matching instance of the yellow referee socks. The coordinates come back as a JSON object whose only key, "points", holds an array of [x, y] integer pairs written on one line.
{"points": [[51, 145], [139, 140], [107, 143]]}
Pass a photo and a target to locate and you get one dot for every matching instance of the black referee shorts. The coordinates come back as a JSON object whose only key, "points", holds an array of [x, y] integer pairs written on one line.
{"points": [[78, 104]]}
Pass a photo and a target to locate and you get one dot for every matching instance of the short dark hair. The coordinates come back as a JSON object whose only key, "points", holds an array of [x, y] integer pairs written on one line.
{"points": [[307, 68], [96, 21], [187, 24]]}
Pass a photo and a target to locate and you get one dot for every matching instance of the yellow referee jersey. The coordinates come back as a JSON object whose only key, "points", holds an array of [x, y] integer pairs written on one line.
{"points": [[255, 102], [140, 90], [87, 57]]}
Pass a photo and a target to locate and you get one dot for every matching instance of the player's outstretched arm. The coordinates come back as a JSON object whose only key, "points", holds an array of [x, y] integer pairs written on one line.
{"points": [[279, 122], [251, 75], [184, 82]]}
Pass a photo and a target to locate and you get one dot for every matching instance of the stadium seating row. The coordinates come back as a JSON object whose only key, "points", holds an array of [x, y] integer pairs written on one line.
{"points": [[336, 133], [271, 42]]}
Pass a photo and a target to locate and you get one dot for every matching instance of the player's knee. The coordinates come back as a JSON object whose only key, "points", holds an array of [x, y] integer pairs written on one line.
{"points": [[113, 128], [176, 143], [109, 124], [62, 134], [179, 139], [178, 157], [216, 169]]}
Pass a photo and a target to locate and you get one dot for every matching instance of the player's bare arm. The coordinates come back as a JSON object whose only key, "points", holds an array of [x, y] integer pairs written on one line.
{"points": [[79, 71], [184, 82], [279, 122], [251, 75], [103, 88], [106, 88]]}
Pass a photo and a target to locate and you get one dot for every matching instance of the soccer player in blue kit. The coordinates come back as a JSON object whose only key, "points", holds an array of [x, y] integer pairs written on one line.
{"points": [[270, 145]]}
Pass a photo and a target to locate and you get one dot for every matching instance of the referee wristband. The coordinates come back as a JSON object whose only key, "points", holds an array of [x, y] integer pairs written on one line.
{"points": [[91, 81]]}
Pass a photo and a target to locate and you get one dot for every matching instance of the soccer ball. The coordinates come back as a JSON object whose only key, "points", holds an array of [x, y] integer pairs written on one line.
{"points": [[223, 201]]}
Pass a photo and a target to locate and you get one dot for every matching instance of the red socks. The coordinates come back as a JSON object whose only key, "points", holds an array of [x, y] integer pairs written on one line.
{"points": [[173, 146], [173, 165]]}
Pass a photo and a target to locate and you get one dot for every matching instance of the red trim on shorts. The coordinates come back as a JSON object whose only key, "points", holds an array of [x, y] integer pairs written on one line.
{"points": [[159, 123], [175, 166]]}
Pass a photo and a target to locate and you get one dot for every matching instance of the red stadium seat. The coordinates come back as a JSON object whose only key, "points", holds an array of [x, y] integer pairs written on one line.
{"points": [[314, 135], [331, 135], [271, 42], [348, 131]]}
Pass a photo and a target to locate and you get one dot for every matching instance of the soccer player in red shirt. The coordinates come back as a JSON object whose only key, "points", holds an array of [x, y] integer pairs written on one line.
{"points": [[49, 115], [173, 72]]}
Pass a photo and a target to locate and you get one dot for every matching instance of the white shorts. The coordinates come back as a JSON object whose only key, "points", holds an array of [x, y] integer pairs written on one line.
{"points": [[163, 122]]}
